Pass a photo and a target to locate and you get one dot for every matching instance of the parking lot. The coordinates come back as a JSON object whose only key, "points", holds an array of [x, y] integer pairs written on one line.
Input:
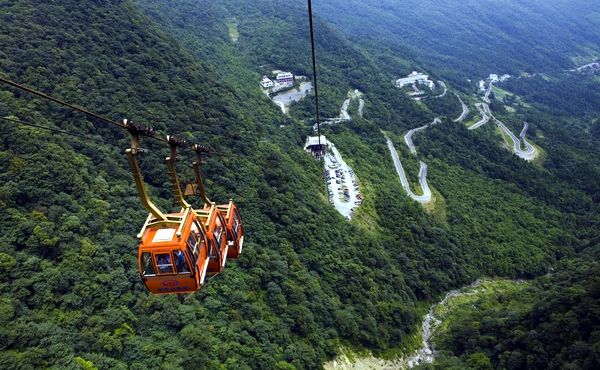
{"points": [[342, 185]]}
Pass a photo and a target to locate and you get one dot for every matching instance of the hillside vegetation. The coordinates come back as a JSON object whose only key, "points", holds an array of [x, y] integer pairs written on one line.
{"points": [[550, 324], [309, 281], [462, 39]]}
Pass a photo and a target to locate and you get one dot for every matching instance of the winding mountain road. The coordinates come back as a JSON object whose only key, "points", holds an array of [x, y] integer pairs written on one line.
{"points": [[426, 196], [486, 114], [344, 115], [361, 106], [344, 111], [409, 134], [443, 85], [465, 110], [530, 152], [486, 98]]}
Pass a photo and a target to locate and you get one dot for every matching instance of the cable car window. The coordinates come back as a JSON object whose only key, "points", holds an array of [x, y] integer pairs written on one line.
{"points": [[196, 250], [191, 254], [212, 250], [197, 231], [218, 231], [194, 235], [181, 263], [163, 261], [192, 246], [236, 221], [147, 264], [192, 241]]}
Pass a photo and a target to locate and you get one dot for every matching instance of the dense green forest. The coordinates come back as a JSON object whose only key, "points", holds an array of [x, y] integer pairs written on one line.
{"points": [[549, 324], [309, 281], [462, 39], [570, 94]]}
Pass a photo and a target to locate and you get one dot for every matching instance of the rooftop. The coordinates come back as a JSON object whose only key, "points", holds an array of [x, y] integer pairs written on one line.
{"points": [[314, 140]]}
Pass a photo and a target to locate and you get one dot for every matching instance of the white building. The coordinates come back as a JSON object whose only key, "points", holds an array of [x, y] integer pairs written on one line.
{"points": [[285, 78], [413, 78], [266, 83], [494, 78], [504, 78], [482, 85]]}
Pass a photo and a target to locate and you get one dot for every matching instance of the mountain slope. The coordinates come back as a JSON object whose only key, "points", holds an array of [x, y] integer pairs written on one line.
{"points": [[308, 279], [74, 295], [474, 37]]}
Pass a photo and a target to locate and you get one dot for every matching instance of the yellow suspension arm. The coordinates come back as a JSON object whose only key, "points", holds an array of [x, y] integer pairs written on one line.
{"points": [[139, 181], [173, 173]]}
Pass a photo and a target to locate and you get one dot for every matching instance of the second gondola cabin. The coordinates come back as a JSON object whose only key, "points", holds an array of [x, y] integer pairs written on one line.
{"points": [[217, 237], [173, 255], [235, 229]]}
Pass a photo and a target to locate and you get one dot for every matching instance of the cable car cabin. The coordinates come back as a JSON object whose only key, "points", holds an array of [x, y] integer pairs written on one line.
{"points": [[235, 230], [173, 255], [216, 232]]}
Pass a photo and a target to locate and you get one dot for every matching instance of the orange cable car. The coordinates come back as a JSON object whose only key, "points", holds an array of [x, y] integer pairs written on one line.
{"points": [[178, 251], [217, 238], [230, 214], [173, 253], [234, 228]]}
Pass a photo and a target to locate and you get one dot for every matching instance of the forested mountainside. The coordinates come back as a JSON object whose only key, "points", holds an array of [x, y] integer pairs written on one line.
{"points": [[309, 281], [549, 324], [470, 38]]}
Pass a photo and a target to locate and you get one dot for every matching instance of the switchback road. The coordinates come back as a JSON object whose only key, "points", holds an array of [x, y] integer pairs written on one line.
{"points": [[426, 196], [465, 110], [409, 134]]}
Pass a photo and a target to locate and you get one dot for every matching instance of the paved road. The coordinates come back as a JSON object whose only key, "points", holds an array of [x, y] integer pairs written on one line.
{"points": [[426, 196], [594, 65], [284, 108], [529, 149], [344, 115], [529, 153], [486, 98], [486, 114], [409, 134], [465, 110], [344, 111], [361, 106], [443, 85]]}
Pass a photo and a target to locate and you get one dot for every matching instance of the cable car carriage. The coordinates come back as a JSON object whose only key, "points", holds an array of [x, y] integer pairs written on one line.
{"points": [[231, 218], [173, 254], [178, 251], [234, 228], [218, 238]]}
